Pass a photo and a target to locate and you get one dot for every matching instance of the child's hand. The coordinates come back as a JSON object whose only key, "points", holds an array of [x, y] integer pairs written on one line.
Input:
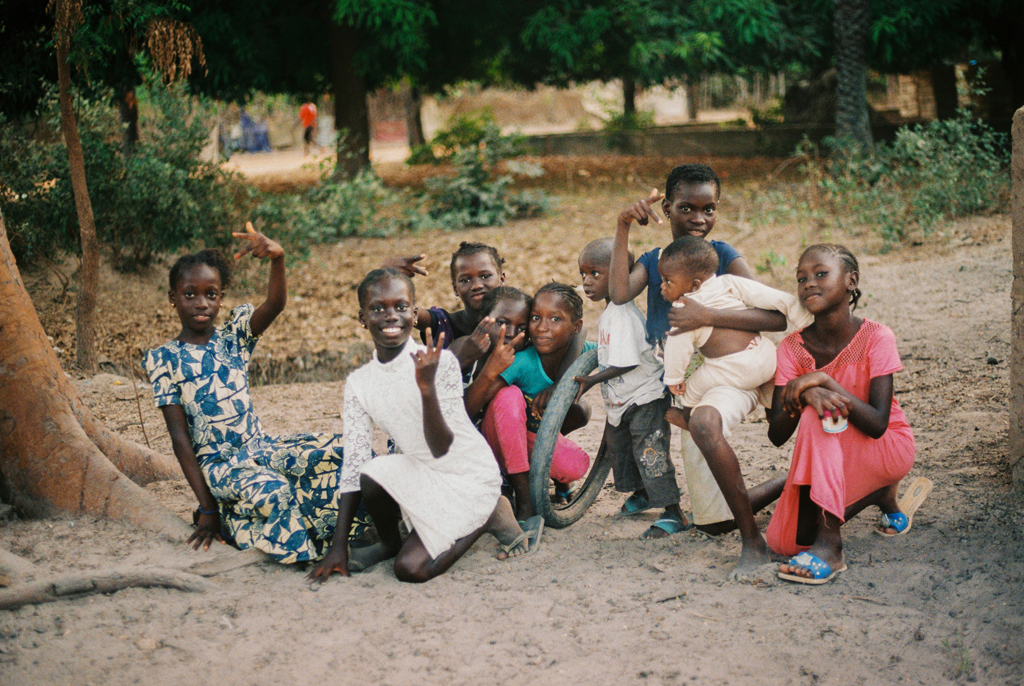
{"points": [[792, 394], [207, 530], [478, 343], [678, 388], [641, 211], [825, 401], [692, 315], [504, 354], [426, 363], [586, 383], [406, 265], [336, 560], [259, 245], [540, 402]]}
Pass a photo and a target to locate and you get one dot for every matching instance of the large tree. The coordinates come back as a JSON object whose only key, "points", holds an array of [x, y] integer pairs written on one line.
{"points": [[54, 454], [851, 22]]}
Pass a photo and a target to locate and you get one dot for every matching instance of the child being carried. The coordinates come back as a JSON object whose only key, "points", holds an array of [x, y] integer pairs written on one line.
{"points": [[740, 359]]}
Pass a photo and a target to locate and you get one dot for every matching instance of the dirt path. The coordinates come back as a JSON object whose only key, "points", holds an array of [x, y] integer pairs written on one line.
{"points": [[595, 605]]}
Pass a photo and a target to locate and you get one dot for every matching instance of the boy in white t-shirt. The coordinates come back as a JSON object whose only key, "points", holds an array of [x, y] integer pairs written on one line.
{"points": [[636, 435]]}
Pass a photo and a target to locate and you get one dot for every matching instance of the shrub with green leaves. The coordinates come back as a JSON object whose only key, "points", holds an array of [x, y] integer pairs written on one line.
{"points": [[464, 132], [361, 206], [931, 172], [476, 195], [158, 199]]}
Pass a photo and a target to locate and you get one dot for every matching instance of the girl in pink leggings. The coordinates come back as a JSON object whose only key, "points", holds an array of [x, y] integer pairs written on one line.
{"points": [[515, 387]]}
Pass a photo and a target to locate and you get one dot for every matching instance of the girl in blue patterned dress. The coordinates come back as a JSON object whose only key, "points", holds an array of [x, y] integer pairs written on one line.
{"points": [[277, 494]]}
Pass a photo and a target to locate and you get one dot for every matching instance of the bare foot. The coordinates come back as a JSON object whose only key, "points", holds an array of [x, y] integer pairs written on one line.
{"points": [[753, 555], [503, 526], [361, 559]]}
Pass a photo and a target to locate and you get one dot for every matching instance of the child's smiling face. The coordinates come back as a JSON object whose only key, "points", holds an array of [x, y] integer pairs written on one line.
{"points": [[693, 209], [515, 315], [388, 314], [197, 298], [823, 283], [551, 323], [475, 275]]}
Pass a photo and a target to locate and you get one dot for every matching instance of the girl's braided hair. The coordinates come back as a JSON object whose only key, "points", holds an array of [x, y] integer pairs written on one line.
{"points": [[211, 258], [378, 275], [846, 259], [467, 248], [495, 295], [568, 294]]}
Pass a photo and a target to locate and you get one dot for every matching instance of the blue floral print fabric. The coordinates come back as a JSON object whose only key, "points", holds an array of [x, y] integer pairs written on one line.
{"points": [[276, 493]]}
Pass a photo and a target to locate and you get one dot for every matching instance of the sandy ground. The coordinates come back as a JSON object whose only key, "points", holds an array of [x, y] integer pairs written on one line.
{"points": [[595, 604]]}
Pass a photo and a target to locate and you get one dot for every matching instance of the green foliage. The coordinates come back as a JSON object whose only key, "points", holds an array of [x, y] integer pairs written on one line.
{"points": [[619, 128], [771, 114], [475, 196], [769, 261], [935, 171], [466, 132], [360, 206], [158, 199]]}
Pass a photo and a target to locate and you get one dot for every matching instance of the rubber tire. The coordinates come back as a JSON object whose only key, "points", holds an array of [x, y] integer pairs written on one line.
{"points": [[544, 449]]}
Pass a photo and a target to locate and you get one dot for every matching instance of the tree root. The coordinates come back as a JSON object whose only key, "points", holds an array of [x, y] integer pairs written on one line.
{"points": [[14, 568], [236, 559], [79, 585]]}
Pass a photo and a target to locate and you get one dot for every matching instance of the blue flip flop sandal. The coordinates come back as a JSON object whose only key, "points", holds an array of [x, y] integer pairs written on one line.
{"points": [[821, 571], [634, 505], [668, 523]]}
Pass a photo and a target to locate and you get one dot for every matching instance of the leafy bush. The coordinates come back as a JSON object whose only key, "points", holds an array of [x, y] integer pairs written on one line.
{"points": [[158, 199], [934, 171], [465, 132], [620, 127], [475, 196], [362, 206]]}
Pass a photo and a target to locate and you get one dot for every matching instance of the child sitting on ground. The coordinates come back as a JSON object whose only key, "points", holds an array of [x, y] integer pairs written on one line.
{"points": [[274, 493], [636, 434], [444, 481], [515, 389], [839, 366]]}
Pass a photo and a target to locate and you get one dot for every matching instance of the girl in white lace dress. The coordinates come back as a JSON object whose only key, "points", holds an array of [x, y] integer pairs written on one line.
{"points": [[444, 480]]}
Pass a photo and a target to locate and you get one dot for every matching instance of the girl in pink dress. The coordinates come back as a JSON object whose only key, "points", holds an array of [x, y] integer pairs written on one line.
{"points": [[836, 373]]}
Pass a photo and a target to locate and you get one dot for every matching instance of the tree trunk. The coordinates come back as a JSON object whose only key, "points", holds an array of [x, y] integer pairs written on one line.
{"points": [[128, 110], [351, 118], [85, 329], [691, 98], [48, 458], [944, 87], [850, 24], [629, 98], [413, 120], [1016, 447]]}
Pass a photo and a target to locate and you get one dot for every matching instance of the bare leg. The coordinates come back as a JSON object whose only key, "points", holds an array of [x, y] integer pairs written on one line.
{"points": [[761, 496], [521, 488], [414, 564], [385, 514], [706, 430], [821, 528]]}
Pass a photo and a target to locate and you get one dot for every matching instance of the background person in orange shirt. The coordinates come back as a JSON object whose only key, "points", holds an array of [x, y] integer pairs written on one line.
{"points": [[307, 113]]}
